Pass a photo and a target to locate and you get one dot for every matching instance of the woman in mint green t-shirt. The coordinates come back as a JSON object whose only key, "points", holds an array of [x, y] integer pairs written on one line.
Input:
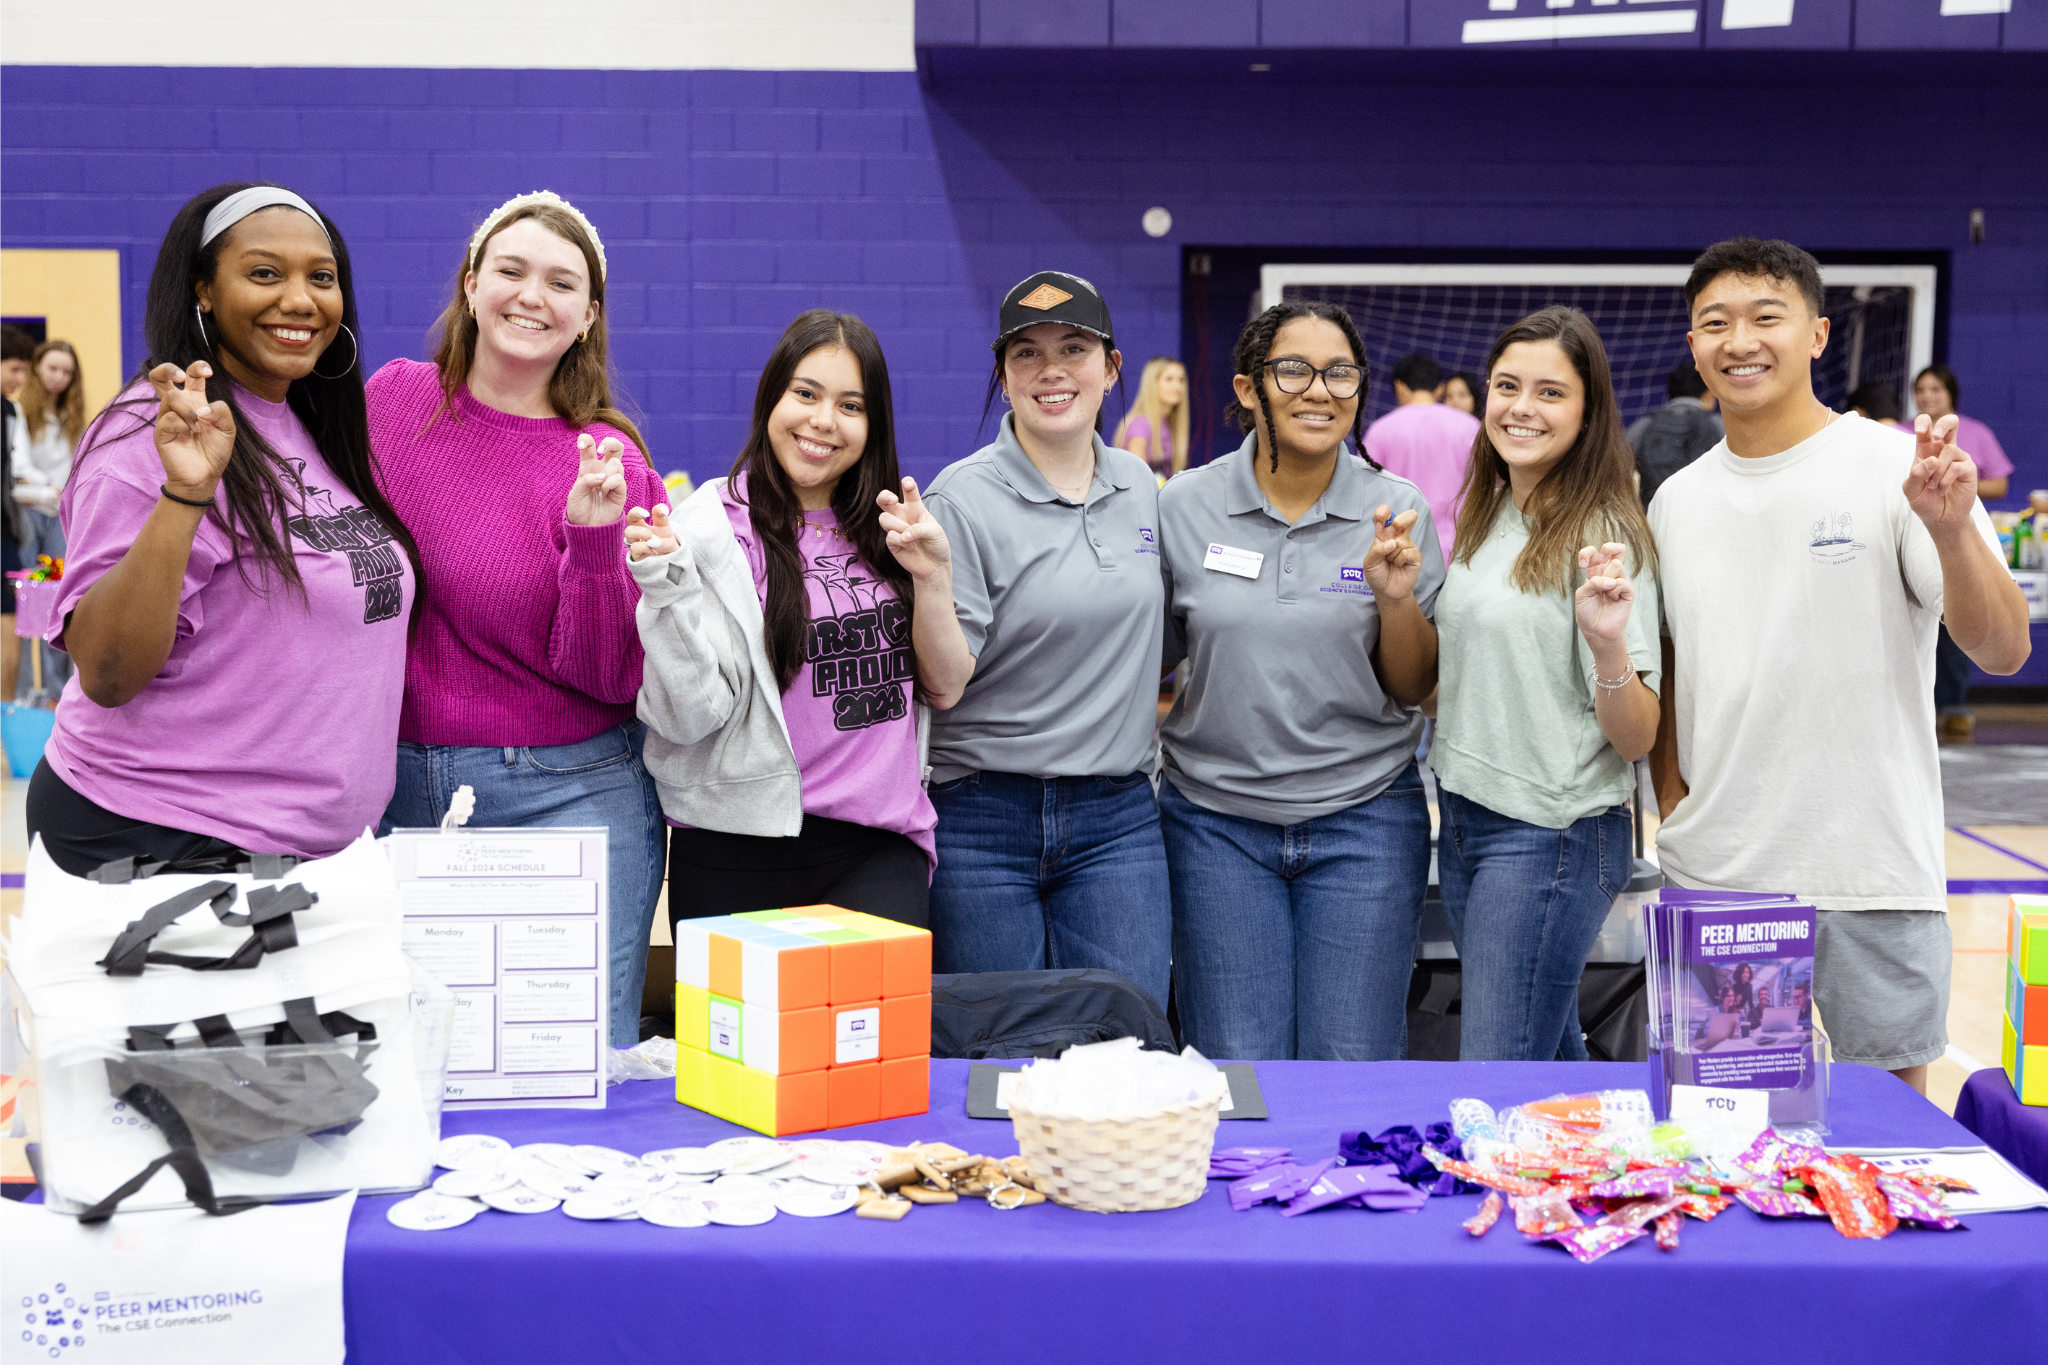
{"points": [[1547, 695]]}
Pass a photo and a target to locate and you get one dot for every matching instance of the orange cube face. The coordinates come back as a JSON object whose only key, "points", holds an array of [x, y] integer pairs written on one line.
{"points": [[907, 965], [853, 1094], [857, 971], [807, 1040], [725, 967], [905, 1087], [906, 1027]]}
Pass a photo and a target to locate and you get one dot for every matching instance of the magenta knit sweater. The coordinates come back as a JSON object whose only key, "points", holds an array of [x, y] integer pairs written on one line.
{"points": [[526, 633]]}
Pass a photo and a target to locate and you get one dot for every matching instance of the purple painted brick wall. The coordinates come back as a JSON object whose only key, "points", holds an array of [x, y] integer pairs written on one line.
{"points": [[732, 200]]}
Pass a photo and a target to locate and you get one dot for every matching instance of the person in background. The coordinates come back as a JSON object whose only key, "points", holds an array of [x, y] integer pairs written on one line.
{"points": [[1547, 697], [1465, 391], [1672, 437], [1803, 564], [1050, 854], [798, 618], [510, 460], [1426, 442], [1300, 580], [53, 415], [237, 681], [1937, 394], [17, 357], [1156, 428], [1877, 402]]}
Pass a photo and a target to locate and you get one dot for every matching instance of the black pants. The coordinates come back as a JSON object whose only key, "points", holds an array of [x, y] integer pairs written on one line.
{"points": [[81, 834], [1951, 674], [832, 862]]}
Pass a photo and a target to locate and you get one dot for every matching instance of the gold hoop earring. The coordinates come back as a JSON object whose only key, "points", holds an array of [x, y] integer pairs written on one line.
{"points": [[472, 310], [583, 335]]}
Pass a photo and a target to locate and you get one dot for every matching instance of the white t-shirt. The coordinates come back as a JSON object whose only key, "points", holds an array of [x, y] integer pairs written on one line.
{"points": [[1802, 597]]}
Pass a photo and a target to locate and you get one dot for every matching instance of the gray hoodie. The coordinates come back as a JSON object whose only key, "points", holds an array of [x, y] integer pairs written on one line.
{"points": [[717, 744]]}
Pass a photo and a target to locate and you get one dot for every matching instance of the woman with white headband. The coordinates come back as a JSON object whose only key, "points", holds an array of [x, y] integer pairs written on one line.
{"points": [[238, 587], [513, 467]]}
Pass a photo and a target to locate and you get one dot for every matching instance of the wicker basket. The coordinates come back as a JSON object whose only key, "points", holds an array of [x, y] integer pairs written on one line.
{"points": [[1156, 1161]]}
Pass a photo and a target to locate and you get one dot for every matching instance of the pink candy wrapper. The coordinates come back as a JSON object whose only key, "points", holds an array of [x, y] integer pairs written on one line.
{"points": [[1780, 1203], [1912, 1204], [1590, 1244], [1489, 1213]]}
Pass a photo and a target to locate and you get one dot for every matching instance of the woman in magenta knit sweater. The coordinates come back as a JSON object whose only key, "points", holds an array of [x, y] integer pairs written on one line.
{"points": [[511, 466]]}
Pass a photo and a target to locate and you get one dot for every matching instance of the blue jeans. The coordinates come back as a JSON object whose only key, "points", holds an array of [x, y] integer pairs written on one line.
{"points": [[600, 781], [1525, 904], [1051, 872], [1297, 940]]}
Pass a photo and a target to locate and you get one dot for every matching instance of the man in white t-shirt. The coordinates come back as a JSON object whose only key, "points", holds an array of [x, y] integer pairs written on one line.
{"points": [[1804, 564]]}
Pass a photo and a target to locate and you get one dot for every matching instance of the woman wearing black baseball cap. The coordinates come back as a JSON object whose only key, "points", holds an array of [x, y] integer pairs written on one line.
{"points": [[1048, 839]]}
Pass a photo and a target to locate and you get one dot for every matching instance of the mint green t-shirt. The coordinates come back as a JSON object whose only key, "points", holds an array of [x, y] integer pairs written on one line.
{"points": [[1515, 730]]}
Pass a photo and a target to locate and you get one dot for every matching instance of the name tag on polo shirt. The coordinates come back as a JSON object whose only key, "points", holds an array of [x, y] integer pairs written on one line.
{"points": [[1230, 559]]}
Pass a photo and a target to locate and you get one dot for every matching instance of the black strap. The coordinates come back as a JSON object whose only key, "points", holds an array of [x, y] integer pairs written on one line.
{"points": [[264, 867], [131, 945], [270, 923], [183, 1158], [303, 1023]]}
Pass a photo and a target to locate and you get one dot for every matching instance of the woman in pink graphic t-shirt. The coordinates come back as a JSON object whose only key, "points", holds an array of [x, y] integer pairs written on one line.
{"points": [[238, 588], [795, 616]]}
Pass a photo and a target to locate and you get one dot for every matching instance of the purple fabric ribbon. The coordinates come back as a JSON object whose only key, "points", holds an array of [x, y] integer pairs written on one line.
{"points": [[1401, 1147]]}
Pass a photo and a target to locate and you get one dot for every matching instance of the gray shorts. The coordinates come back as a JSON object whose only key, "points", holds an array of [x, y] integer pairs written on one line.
{"points": [[1880, 985]]}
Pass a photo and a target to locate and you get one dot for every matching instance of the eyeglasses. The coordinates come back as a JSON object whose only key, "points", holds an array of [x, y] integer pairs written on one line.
{"points": [[1295, 376]]}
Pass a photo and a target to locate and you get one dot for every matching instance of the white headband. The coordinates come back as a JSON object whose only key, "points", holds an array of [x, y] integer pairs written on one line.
{"points": [[242, 203], [538, 197]]}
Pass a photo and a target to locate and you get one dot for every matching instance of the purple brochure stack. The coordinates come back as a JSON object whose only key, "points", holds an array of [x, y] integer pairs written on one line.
{"points": [[1730, 978]]}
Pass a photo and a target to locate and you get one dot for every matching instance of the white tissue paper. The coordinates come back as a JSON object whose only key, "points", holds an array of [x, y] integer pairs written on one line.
{"points": [[1117, 1080]]}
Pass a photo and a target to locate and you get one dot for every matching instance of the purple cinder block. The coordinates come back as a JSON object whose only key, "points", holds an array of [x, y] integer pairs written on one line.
{"points": [[339, 129], [384, 86], [1184, 23], [432, 129], [312, 175], [643, 175], [733, 90], [945, 23], [860, 130], [732, 262], [1916, 27], [1333, 23], [818, 262], [816, 89], [883, 177], [1045, 23], [734, 174], [470, 89], [390, 173], [603, 130], [775, 130]]}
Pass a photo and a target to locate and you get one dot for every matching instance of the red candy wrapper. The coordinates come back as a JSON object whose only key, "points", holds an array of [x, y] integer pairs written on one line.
{"points": [[1489, 1213], [1846, 1186], [1590, 1244], [1641, 1212], [1465, 1170], [1703, 1206], [1656, 1182], [1541, 1214], [1667, 1232]]}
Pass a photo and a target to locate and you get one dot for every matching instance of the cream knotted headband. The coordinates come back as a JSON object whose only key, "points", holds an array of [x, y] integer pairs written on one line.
{"points": [[547, 198]]}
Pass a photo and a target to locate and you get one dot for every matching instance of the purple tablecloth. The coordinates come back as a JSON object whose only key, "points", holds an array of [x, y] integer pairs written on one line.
{"points": [[966, 1283], [2018, 1132]]}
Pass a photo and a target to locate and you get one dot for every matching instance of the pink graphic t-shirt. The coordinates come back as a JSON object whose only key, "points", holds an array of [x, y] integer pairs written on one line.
{"points": [[274, 722], [851, 720]]}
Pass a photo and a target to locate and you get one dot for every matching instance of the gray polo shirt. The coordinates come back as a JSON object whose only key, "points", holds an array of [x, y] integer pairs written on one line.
{"points": [[1062, 607], [1282, 718]]}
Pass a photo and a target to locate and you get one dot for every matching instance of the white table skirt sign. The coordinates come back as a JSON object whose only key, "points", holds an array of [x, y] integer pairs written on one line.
{"points": [[174, 1287]]}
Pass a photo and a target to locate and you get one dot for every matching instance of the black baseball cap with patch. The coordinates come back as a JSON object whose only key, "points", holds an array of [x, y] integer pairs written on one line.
{"points": [[1053, 296]]}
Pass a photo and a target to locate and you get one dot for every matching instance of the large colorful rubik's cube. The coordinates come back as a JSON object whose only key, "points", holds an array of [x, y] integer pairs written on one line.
{"points": [[2025, 1052], [788, 1021]]}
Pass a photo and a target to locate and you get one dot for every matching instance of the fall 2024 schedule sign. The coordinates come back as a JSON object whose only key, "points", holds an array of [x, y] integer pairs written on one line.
{"points": [[512, 921]]}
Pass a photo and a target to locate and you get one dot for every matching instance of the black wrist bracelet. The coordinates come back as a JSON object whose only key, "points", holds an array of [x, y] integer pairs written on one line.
{"points": [[165, 489]]}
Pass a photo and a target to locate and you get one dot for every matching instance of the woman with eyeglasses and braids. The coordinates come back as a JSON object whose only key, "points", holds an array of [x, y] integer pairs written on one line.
{"points": [[1300, 579], [239, 668]]}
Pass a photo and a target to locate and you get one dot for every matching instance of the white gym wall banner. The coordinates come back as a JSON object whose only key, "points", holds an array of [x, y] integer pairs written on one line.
{"points": [[610, 35]]}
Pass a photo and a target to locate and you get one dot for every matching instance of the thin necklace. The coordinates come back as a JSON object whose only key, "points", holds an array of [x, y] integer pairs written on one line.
{"points": [[834, 532]]}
